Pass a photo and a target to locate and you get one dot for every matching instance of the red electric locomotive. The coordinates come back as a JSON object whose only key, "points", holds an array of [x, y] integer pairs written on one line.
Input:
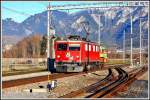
{"points": [[75, 54]]}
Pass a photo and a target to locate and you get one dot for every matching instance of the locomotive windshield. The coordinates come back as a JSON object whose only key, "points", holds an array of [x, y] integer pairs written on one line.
{"points": [[74, 47], [62, 47]]}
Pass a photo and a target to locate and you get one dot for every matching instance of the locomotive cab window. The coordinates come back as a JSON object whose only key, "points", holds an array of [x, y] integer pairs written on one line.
{"points": [[62, 46], [74, 47]]}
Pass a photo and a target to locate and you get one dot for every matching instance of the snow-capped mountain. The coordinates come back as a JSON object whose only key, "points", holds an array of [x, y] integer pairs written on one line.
{"points": [[113, 22]]}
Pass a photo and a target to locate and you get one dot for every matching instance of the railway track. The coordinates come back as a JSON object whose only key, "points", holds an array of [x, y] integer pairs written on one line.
{"points": [[104, 88], [97, 87], [132, 76], [108, 86], [122, 77], [12, 83], [17, 82], [91, 87]]}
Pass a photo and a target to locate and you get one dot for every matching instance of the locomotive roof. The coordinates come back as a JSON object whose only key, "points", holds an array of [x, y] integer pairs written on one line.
{"points": [[76, 41], [75, 38]]}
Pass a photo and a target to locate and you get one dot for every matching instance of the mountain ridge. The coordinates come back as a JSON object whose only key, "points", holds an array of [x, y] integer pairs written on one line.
{"points": [[113, 23]]}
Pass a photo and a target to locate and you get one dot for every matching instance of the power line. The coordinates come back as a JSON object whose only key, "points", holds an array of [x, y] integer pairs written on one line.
{"points": [[96, 5], [103, 4], [15, 11]]}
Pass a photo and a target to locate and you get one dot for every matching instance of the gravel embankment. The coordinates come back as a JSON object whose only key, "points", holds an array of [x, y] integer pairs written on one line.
{"points": [[138, 89], [64, 86]]}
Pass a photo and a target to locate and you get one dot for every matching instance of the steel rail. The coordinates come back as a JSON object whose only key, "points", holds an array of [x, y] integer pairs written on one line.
{"points": [[90, 87], [99, 83], [107, 88], [12, 83], [132, 77], [122, 80], [17, 82]]}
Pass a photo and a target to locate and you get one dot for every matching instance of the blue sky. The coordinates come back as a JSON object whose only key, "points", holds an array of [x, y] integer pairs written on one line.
{"points": [[28, 7], [34, 7]]}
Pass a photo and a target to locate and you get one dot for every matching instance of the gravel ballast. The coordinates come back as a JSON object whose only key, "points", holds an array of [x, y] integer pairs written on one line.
{"points": [[64, 86], [138, 89]]}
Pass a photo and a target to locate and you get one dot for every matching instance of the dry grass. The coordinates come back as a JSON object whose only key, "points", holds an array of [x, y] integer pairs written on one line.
{"points": [[118, 61], [15, 66], [21, 71]]}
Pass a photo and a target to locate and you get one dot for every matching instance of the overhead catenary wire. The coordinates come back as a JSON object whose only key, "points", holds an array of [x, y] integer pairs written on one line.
{"points": [[95, 4], [15, 11], [55, 6]]}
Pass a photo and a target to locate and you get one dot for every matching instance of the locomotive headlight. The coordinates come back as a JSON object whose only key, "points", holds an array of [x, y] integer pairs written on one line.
{"points": [[58, 56], [68, 54], [77, 56]]}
